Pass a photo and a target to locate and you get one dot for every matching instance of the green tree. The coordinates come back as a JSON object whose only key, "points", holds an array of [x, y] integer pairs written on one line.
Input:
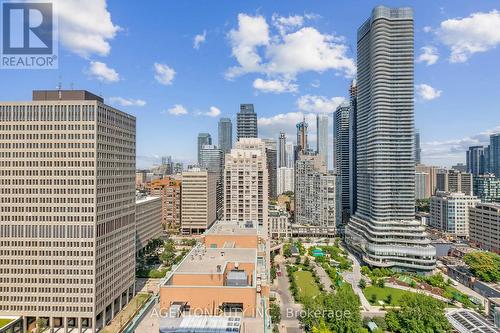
{"points": [[373, 298], [484, 265], [362, 283], [322, 328], [41, 325], [345, 305], [275, 313], [418, 313], [389, 299]]}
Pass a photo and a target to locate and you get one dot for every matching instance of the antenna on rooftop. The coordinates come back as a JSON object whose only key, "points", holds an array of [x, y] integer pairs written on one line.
{"points": [[59, 87]]}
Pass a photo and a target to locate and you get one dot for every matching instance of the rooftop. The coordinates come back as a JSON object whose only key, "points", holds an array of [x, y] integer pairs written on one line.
{"points": [[141, 199], [233, 228], [466, 321], [205, 324], [65, 95]]}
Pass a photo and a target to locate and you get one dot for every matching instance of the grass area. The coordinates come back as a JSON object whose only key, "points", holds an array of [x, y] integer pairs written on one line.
{"points": [[306, 285], [4, 322], [126, 313], [382, 294]]}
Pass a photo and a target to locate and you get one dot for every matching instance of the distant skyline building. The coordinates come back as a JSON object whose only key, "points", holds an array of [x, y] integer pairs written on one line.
{"points": [[282, 150], [384, 230], [290, 155], [225, 137], [475, 160], [272, 166], [285, 180], [246, 183], [212, 159], [341, 159], [203, 139], [322, 121], [302, 144], [431, 179], [487, 188], [460, 167], [67, 223], [246, 122], [421, 183], [494, 154], [418, 150], [353, 110], [454, 181]]}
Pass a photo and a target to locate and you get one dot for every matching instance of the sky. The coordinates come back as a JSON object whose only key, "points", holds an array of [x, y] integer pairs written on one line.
{"points": [[179, 66]]}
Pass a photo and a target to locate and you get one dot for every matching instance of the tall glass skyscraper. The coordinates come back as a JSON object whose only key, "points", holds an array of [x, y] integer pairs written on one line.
{"points": [[494, 154], [418, 150], [246, 122], [475, 160], [341, 158], [203, 140], [225, 135], [384, 229]]}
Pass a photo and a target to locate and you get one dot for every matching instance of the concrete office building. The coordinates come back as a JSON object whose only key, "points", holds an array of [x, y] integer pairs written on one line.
{"points": [[487, 188], [285, 180], [272, 167], [494, 154], [169, 190], [246, 183], [384, 230], [421, 183], [148, 218], [315, 197], [322, 136], [484, 226], [225, 127], [353, 107], [67, 196], [341, 159], [418, 150], [454, 181], [476, 160], [246, 122], [203, 139], [431, 180], [450, 213], [199, 200]]}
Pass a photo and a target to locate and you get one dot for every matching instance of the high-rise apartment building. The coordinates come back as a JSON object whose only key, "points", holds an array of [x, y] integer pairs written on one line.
{"points": [[169, 190], [341, 159], [212, 158], [476, 160], [148, 219], [302, 145], [203, 140], [353, 111], [431, 179], [450, 213], [290, 155], [418, 150], [484, 226], [315, 195], [421, 183], [384, 230], [67, 217], [285, 180], [282, 150], [454, 181], [199, 200], [494, 154], [272, 167], [460, 167], [322, 136], [246, 182], [225, 137], [487, 188], [246, 122]]}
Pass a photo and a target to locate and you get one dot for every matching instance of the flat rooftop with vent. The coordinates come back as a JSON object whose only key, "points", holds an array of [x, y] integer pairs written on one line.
{"points": [[225, 274]]}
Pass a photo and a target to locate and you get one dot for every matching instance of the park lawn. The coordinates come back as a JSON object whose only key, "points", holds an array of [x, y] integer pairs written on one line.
{"points": [[382, 294], [4, 322], [306, 285]]}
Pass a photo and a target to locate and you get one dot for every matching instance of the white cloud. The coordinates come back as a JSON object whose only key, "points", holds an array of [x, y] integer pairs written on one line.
{"points": [[426, 92], [478, 32], [127, 101], [102, 72], [286, 55], [319, 104], [427, 29], [164, 74], [449, 152], [85, 27], [284, 24], [214, 112], [274, 86], [270, 126], [199, 39], [178, 110], [315, 84], [429, 55]]}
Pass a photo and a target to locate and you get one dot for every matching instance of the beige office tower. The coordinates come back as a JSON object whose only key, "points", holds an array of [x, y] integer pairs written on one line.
{"points": [[246, 183], [198, 200], [67, 210]]}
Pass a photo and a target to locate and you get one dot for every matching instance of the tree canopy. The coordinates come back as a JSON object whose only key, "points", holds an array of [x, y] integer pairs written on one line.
{"points": [[484, 265]]}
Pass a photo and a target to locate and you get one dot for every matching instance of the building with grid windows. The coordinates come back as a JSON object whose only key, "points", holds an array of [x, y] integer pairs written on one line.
{"points": [[67, 209]]}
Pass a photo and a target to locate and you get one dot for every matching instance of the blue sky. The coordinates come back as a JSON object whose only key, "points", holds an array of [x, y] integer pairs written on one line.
{"points": [[289, 58]]}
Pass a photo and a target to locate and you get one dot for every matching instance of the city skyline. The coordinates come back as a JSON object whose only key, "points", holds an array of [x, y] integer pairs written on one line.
{"points": [[185, 84]]}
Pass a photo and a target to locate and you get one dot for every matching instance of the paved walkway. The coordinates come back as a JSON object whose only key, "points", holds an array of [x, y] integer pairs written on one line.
{"points": [[289, 309], [323, 276]]}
